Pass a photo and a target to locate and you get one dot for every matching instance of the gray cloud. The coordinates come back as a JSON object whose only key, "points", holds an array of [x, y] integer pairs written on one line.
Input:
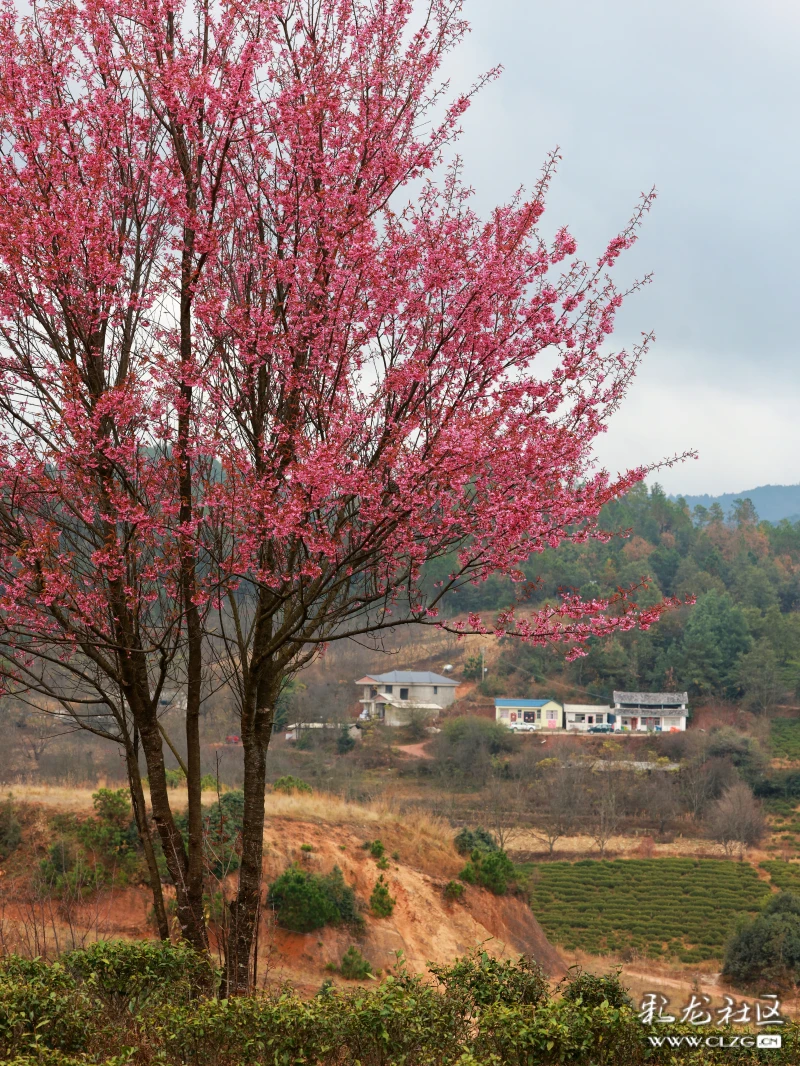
{"points": [[699, 98]]}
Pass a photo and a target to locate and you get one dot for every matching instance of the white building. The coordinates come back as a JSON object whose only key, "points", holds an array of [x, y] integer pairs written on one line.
{"points": [[392, 697], [528, 714], [585, 717], [651, 712]]}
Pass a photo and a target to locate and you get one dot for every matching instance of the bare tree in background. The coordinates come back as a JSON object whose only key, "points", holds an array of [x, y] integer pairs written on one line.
{"points": [[506, 807], [736, 819], [604, 802], [556, 797]]}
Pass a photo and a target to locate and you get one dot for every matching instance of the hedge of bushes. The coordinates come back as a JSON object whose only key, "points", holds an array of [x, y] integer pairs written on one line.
{"points": [[139, 1003], [658, 907]]}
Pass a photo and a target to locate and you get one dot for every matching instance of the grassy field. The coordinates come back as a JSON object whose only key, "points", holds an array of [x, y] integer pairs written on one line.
{"points": [[785, 738], [662, 908]]}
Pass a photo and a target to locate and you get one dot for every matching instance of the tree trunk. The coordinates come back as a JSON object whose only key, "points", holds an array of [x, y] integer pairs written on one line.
{"points": [[140, 814], [190, 916], [244, 909]]}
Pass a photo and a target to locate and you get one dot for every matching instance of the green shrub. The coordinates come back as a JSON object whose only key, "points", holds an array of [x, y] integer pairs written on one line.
{"points": [[208, 783], [469, 874], [174, 778], [764, 954], [485, 1012], [594, 989], [375, 848], [490, 869], [41, 1005], [306, 847], [344, 742], [123, 973], [10, 830], [495, 871], [290, 784], [222, 824], [482, 979], [382, 863], [380, 901], [303, 901], [300, 902], [469, 840], [342, 897], [453, 891], [354, 966]]}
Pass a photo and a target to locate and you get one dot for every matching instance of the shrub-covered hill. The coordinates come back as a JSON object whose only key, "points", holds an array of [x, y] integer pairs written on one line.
{"points": [[316, 833], [152, 1003], [740, 641]]}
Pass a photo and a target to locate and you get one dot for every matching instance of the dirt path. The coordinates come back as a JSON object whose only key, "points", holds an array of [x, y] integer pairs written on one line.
{"points": [[417, 751]]}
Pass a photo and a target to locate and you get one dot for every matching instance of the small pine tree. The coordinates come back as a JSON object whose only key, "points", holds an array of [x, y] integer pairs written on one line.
{"points": [[381, 902], [354, 966], [10, 830]]}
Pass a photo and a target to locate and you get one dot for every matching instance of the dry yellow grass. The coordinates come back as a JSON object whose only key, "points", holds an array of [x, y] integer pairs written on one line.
{"points": [[422, 834]]}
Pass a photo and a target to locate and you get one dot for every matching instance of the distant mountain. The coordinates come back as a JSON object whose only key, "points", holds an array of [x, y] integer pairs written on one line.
{"points": [[772, 502]]}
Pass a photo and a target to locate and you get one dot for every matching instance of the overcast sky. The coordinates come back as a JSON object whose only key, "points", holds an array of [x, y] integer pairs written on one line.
{"points": [[700, 98]]}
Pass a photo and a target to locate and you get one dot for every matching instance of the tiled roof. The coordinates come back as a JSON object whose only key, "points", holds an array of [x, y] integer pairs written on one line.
{"points": [[652, 699], [522, 703], [408, 677]]}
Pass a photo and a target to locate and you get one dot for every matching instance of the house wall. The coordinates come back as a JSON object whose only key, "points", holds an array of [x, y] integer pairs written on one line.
{"points": [[667, 722], [444, 695], [549, 716]]}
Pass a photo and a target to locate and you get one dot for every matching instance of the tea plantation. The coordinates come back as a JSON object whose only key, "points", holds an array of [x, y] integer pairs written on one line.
{"points": [[785, 737], [682, 908], [784, 875]]}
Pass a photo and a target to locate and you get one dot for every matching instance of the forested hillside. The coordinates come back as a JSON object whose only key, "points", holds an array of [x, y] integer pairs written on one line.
{"points": [[740, 641]]}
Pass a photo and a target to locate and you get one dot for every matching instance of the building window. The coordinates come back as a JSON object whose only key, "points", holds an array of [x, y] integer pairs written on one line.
{"points": [[403, 693], [539, 715], [435, 690], [387, 689], [551, 716], [580, 717]]}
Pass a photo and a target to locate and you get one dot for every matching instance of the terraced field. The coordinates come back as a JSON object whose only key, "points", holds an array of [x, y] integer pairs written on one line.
{"points": [[784, 875], [785, 737], [663, 908]]}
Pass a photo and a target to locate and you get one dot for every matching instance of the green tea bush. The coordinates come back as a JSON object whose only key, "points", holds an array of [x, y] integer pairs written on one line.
{"points": [[123, 973], [482, 979], [381, 903], [290, 784], [354, 967], [304, 901], [594, 989], [484, 1012], [41, 1006]]}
